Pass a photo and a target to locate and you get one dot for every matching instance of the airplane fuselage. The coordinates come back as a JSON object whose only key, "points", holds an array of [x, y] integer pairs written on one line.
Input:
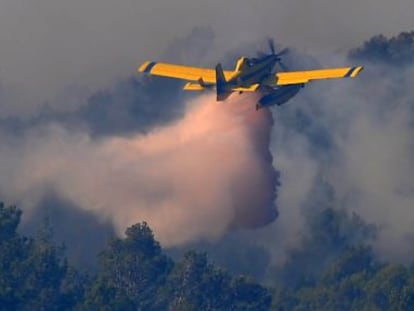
{"points": [[250, 75], [261, 72], [254, 71]]}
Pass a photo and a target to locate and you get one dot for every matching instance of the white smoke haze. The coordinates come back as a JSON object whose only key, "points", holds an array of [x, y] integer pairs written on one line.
{"points": [[195, 179], [178, 176], [52, 49], [370, 165], [299, 171], [376, 165]]}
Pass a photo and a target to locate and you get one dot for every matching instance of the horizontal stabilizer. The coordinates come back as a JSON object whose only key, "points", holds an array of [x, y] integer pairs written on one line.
{"points": [[190, 86], [193, 87], [252, 88]]}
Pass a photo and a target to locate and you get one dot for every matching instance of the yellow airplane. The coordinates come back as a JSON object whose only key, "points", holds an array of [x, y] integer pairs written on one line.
{"points": [[250, 75]]}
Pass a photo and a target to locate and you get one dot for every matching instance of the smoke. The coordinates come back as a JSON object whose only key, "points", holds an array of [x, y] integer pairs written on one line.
{"points": [[343, 144], [375, 163], [56, 52], [195, 179], [82, 233], [356, 136], [353, 135]]}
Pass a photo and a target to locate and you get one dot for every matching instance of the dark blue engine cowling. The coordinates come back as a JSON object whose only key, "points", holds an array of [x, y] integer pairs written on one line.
{"points": [[280, 95]]}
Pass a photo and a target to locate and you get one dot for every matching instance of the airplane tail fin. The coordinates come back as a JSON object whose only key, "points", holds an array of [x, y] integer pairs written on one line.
{"points": [[223, 90]]}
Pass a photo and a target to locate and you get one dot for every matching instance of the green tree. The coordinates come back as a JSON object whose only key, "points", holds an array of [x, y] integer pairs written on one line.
{"points": [[330, 234], [249, 295], [33, 272], [194, 284], [133, 269], [385, 289]]}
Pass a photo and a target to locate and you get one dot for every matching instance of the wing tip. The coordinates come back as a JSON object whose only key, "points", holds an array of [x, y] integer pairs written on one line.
{"points": [[354, 71], [147, 66]]}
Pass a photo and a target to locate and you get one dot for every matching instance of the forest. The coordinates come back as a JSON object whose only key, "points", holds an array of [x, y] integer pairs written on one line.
{"points": [[329, 272]]}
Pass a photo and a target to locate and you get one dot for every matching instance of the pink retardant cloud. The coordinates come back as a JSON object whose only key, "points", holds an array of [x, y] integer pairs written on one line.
{"points": [[195, 179]]}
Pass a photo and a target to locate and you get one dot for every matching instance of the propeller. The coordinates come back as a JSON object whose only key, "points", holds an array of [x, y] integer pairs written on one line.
{"points": [[272, 48], [283, 52], [279, 55], [282, 65], [271, 44]]}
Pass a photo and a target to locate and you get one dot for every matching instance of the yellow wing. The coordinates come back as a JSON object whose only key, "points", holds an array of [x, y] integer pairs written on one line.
{"points": [[182, 72], [296, 77]]}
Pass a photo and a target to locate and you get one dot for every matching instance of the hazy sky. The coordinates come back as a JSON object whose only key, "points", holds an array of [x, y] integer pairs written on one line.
{"points": [[57, 51], [52, 47]]}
